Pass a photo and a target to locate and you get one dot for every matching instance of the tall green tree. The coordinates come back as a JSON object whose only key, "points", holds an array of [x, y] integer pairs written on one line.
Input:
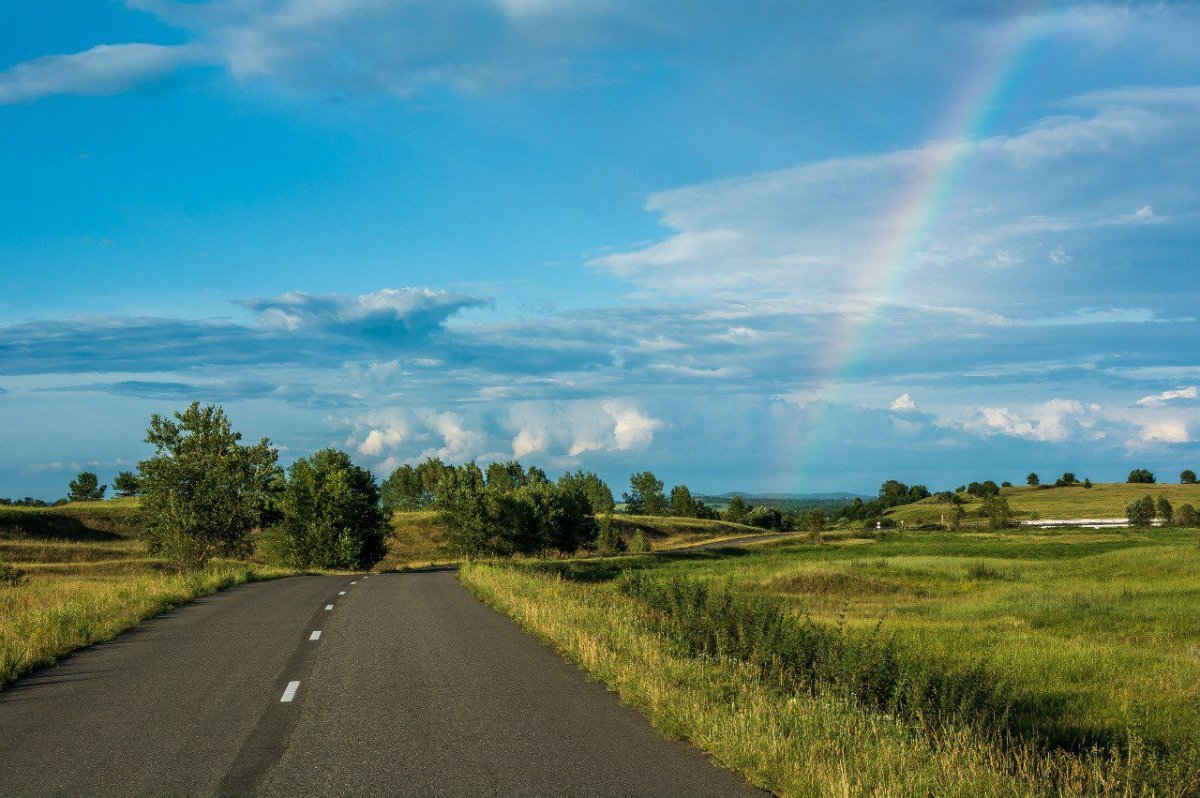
{"points": [[126, 484], [402, 490], [330, 515], [1164, 511], [995, 509], [645, 496], [737, 510], [1032, 479], [431, 470], [682, 504], [85, 487], [599, 494], [462, 502], [203, 490], [505, 476], [1187, 476]]}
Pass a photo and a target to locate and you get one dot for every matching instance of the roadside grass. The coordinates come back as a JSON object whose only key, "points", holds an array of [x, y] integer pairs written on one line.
{"points": [[83, 577], [1072, 657], [50, 614], [1102, 500]]}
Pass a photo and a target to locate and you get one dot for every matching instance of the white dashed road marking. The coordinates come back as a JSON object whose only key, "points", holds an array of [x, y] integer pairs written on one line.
{"points": [[341, 592], [355, 582], [290, 692], [315, 635], [328, 606]]}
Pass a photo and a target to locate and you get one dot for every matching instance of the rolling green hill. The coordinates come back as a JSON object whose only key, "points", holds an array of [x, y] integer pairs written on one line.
{"points": [[79, 521], [1102, 500]]}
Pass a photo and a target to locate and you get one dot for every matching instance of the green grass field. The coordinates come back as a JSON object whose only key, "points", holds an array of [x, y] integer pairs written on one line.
{"points": [[1102, 500], [1092, 639]]}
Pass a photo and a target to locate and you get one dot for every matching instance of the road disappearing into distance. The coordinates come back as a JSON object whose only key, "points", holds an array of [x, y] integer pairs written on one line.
{"points": [[387, 684]]}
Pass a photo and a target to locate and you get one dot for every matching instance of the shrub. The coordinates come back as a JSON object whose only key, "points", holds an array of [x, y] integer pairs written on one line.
{"points": [[331, 516], [765, 518], [1140, 476], [1187, 476], [1188, 516], [640, 544], [10, 575], [1141, 512], [608, 540]]}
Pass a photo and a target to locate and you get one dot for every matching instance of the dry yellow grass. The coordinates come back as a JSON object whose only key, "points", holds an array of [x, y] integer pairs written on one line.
{"points": [[793, 745]]}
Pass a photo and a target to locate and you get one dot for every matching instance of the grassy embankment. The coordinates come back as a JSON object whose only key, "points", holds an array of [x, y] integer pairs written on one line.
{"points": [[967, 664], [1102, 500], [87, 577], [416, 539]]}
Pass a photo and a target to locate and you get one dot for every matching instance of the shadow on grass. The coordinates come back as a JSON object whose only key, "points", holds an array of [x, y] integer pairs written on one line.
{"points": [[51, 526]]}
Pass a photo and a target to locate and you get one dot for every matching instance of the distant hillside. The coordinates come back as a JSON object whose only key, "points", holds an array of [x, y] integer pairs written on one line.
{"points": [[1102, 500]]}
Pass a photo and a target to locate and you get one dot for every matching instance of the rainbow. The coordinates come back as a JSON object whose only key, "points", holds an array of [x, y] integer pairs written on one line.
{"points": [[903, 231]]}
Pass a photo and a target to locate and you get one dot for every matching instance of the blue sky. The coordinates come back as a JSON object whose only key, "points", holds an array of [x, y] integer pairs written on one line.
{"points": [[753, 245]]}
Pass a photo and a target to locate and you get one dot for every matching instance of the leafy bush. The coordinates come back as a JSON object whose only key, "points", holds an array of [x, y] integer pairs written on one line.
{"points": [[10, 575], [640, 544], [1140, 476], [608, 539], [1188, 516], [1141, 512], [330, 515]]}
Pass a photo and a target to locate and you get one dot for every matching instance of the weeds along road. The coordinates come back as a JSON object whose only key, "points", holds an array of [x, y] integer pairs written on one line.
{"points": [[411, 688]]}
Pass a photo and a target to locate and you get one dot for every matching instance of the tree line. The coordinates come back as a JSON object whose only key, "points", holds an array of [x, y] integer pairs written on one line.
{"points": [[205, 494]]}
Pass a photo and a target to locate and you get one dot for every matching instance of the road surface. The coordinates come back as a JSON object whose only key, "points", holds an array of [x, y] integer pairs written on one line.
{"points": [[412, 688]]}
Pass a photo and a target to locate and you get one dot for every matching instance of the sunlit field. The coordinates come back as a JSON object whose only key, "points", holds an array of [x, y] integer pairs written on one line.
{"points": [[82, 576], [1012, 663], [1102, 500]]}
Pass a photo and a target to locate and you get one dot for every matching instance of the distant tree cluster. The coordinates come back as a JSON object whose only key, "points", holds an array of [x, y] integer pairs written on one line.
{"points": [[1140, 476], [892, 493], [646, 497], [1147, 510], [983, 490], [515, 511], [29, 501]]}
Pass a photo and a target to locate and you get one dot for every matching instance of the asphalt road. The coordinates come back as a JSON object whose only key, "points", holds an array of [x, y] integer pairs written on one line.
{"points": [[413, 688]]}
